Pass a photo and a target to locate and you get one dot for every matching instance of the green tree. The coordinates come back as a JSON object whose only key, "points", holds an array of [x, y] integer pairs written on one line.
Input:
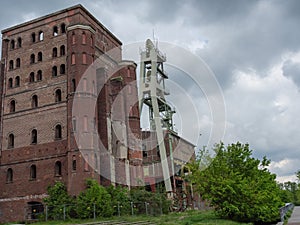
{"points": [[120, 200], [239, 186], [94, 199], [58, 200]]}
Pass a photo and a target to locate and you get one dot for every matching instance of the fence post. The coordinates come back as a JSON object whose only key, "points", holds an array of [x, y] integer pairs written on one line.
{"points": [[64, 212], [94, 211], [146, 206], [46, 213], [131, 203]]}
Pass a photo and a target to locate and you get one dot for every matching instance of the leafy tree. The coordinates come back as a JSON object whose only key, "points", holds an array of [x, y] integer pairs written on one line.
{"points": [[239, 186], [120, 199], [58, 200], [94, 199]]}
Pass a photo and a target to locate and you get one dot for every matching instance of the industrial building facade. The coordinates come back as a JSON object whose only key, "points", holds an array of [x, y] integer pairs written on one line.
{"points": [[42, 65]]}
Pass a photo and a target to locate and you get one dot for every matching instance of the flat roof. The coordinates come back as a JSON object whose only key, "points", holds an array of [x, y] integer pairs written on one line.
{"points": [[78, 6]]}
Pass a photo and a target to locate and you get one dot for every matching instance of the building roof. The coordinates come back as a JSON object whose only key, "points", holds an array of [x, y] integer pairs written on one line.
{"points": [[78, 6]]}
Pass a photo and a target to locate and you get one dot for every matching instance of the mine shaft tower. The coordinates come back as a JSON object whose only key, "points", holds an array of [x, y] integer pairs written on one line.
{"points": [[152, 93]]}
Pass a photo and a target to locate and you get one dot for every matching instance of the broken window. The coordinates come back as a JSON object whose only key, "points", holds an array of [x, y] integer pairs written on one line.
{"points": [[19, 42], [10, 83], [32, 58], [57, 169], [54, 71], [58, 131], [12, 106], [33, 172], [12, 44], [33, 37], [58, 95], [31, 77], [62, 69], [9, 175], [17, 81], [54, 52], [63, 28], [11, 141], [34, 101], [41, 36], [55, 31], [39, 75], [18, 63], [62, 50], [34, 136], [40, 57], [11, 65]]}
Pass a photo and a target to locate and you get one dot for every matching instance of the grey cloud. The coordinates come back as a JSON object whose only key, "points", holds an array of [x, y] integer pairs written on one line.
{"points": [[291, 70]]}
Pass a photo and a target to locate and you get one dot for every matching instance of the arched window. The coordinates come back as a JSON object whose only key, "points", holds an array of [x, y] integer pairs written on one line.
{"points": [[73, 58], [62, 50], [62, 69], [34, 101], [84, 58], [63, 28], [34, 136], [32, 58], [55, 31], [39, 75], [57, 168], [11, 141], [31, 77], [33, 37], [40, 57], [18, 63], [73, 85], [83, 38], [54, 71], [9, 175], [10, 83], [73, 38], [41, 36], [12, 106], [32, 172], [12, 44], [54, 52], [17, 81], [11, 65], [58, 132], [19, 42], [85, 123], [58, 95]]}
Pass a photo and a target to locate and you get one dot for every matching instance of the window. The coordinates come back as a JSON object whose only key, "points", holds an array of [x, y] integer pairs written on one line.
{"points": [[40, 57], [63, 28], [73, 59], [12, 44], [12, 106], [33, 37], [74, 124], [18, 63], [83, 38], [73, 38], [32, 59], [62, 69], [58, 95], [19, 42], [54, 71], [145, 153], [41, 36], [74, 162], [85, 123], [9, 175], [11, 65], [54, 52], [34, 136], [57, 168], [10, 83], [58, 132], [84, 58], [34, 101], [55, 31], [32, 172], [73, 85], [31, 77], [39, 75], [62, 50], [17, 81], [11, 141]]}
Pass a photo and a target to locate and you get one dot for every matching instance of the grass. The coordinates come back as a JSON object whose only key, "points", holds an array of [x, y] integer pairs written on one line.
{"points": [[184, 218]]}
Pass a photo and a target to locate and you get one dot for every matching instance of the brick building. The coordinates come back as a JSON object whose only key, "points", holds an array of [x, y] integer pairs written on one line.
{"points": [[42, 65], [53, 69]]}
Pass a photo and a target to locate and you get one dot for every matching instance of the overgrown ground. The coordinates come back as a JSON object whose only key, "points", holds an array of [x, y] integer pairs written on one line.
{"points": [[185, 218]]}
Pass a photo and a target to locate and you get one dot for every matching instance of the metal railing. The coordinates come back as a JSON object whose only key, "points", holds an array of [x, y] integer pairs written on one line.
{"points": [[283, 210]]}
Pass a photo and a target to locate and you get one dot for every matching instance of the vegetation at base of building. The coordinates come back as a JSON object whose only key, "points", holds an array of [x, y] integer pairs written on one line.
{"points": [[98, 201], [238, 186]]}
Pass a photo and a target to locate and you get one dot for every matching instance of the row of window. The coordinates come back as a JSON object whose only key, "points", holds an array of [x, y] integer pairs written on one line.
{"points": [[83, 39], [38, 76], [39, 57], [55, 31], [34, 136], [34, 101], [33, 172]]}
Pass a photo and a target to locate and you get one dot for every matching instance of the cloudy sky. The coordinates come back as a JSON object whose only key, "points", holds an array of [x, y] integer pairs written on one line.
{"points": [[252, 48]]}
